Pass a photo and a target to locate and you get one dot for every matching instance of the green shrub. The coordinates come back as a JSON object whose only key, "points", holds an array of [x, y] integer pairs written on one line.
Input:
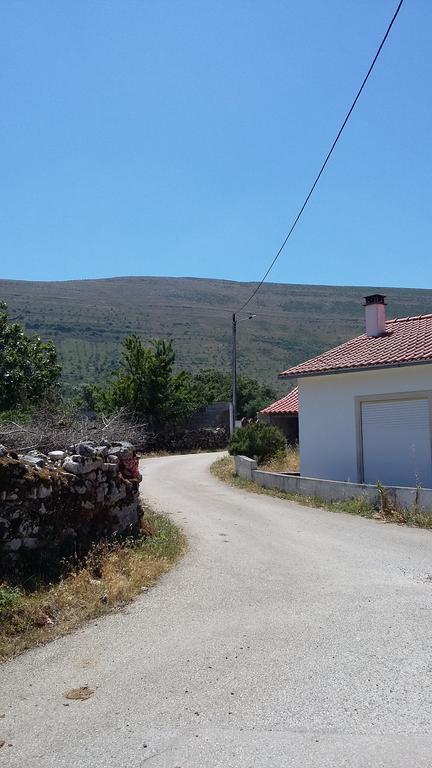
{"points": [[9, 599], [29, 371], [257, 441]]}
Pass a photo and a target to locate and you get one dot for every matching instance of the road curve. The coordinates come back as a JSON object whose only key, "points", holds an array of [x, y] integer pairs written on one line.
{"points": [[287, 636]]}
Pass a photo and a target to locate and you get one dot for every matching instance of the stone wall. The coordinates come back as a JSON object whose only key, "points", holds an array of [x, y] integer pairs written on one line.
{"points": [[57, 505], [212, 415], [184, 440]]}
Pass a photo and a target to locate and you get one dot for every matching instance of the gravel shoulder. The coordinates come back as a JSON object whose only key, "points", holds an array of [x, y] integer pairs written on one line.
{"points": [[287, 636]]}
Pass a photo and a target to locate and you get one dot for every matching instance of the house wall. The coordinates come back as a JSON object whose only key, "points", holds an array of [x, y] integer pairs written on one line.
{"points": [[327, 420]]}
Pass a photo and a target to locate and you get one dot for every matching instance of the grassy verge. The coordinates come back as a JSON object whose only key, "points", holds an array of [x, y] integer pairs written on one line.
{"points": [[111, 576], [223, 469], [286, 461]]}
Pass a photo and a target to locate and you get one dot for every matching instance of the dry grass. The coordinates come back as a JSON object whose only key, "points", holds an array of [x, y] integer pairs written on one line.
{"points": [[111, 576], [286, 461], [224, 470]]}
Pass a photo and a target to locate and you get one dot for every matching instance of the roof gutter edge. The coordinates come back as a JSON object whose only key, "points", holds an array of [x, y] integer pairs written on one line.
{"points": [[358, 369]]}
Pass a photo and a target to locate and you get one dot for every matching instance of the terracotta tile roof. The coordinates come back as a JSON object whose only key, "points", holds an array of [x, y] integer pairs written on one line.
{"points": [[287, 406], [407, 340]]}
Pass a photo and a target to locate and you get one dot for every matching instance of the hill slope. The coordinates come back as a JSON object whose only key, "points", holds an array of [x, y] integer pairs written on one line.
{"points": [[87, 319]]}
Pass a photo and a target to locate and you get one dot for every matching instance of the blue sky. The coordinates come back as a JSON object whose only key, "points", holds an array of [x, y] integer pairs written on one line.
{"points": [[147, 137]]}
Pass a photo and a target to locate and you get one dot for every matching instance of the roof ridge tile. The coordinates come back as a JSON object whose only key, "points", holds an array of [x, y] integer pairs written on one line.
{"points": [[409, 340]]}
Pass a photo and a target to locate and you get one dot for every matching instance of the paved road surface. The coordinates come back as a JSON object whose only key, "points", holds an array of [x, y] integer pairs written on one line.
{"points": [[287, 637]]}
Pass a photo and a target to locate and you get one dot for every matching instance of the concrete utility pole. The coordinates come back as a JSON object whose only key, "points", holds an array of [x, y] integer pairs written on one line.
{"points": [[234, 374], [234, 368]]}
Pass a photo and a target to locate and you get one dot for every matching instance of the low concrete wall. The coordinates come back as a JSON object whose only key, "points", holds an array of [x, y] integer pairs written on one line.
{"points": [[244, 467], [331, 490]]}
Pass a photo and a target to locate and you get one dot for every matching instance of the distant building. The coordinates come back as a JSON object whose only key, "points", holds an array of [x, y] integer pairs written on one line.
{"points": [[284, 414]]}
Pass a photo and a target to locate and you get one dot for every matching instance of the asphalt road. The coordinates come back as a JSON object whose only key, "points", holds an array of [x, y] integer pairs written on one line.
{"points": [[286, 637]]}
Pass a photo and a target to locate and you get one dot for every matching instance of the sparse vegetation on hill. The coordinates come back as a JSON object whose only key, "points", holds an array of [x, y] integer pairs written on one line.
{"points": [[88, 320]]}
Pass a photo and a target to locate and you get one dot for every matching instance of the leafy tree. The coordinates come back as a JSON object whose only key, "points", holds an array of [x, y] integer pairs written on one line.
{"points": [[146, 385], [257, 441], [29, 370], [85, 397], [213, 385]]}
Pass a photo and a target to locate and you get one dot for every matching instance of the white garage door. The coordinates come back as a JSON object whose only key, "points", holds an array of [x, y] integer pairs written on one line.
{"points": [[397, 442]]}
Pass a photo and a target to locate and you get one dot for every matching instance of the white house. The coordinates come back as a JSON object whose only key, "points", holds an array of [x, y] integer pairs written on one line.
{"points": [[365, 407]]}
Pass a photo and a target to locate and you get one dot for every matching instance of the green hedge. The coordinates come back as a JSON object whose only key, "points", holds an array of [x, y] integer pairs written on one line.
{"points": [[257, 441]]}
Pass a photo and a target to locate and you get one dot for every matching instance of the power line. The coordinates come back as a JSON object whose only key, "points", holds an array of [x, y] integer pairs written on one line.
{"points": [[330, 152]]}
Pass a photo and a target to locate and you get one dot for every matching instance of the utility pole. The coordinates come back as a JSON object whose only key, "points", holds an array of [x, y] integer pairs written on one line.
{"points": [[234, 368], [234, 374]]}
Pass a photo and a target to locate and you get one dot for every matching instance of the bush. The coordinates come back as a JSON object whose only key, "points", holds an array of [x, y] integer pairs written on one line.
{"points": [[9, 599], [257, 441]]}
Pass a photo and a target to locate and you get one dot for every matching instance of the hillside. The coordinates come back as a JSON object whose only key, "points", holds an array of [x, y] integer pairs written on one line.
{"points": [[87, 319]]}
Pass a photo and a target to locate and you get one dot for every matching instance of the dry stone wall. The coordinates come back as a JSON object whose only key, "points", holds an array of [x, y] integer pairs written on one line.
{"points": [[56, 505], [184, 440]]}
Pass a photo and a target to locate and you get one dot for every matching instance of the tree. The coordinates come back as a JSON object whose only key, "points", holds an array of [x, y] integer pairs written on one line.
{"points": [[146, 385], [29, 370], [213, 385]]}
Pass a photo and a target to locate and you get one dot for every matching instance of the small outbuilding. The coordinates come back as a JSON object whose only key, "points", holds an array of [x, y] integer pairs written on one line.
{"points": [[284, 414], [365, 407]]}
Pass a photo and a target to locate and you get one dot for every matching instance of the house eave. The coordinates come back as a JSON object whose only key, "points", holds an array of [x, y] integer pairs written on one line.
{"points": [[358, 369]]}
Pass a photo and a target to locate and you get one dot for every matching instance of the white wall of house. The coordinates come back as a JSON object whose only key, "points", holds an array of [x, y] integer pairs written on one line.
{"points": [[328, 430]]}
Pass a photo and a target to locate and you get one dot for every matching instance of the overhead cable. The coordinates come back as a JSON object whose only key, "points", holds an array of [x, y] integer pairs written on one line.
{"points": [[329, 154]]}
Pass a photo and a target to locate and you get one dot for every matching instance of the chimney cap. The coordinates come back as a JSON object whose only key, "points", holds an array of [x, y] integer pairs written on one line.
{"points": [[374, 298]]}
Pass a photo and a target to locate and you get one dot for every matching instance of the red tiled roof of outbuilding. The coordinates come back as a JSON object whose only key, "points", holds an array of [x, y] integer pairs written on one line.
{"points": [[286, 406], [406, 340]]}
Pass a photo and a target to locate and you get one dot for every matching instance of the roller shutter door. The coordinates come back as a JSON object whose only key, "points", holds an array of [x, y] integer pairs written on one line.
{"points": [[397, 442]]}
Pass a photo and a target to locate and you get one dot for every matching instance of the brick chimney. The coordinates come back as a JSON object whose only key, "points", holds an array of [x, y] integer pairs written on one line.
{"points": [[375, 314]]}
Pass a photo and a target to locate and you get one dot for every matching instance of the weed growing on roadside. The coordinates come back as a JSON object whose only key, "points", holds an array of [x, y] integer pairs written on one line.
{"points": [[9, 598]]}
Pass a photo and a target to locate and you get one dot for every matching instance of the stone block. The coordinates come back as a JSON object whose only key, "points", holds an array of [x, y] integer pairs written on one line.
{"points": [[44, 491], [31, 542], [100, 495], [13, 545], [57, 455], [35, 461]]}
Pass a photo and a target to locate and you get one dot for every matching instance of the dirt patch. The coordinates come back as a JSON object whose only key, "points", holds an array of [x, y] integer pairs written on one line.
{"points": [[79, 694]]}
